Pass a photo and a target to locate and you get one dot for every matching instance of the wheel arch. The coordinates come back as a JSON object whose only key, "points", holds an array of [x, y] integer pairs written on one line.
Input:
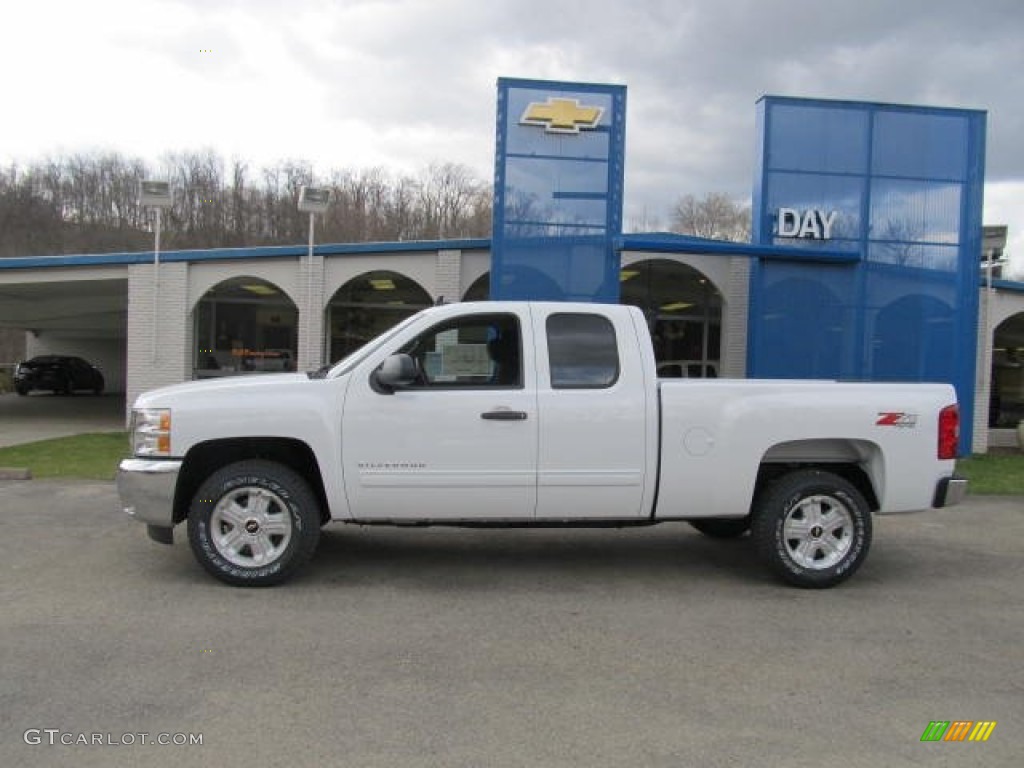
{"points": [[207, 457], [859, 462]]}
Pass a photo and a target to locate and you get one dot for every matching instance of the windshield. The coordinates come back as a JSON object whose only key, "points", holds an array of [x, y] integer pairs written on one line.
{"points": [[346, 364]]}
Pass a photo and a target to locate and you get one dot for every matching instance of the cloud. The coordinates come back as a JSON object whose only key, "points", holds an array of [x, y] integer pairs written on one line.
{"points": [[402, 83], [1003, 206]]}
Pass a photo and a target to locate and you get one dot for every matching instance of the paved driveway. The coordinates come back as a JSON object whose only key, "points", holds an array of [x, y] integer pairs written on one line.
{"points": [[40, 416], [645, 647]]}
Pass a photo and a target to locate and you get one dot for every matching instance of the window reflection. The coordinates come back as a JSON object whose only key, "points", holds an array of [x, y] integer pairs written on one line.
{"points": [[244, 325], [367, 306], [915, 211]]}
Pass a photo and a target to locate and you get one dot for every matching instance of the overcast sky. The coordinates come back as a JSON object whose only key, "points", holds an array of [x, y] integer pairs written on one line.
{"points": [[402, 83]]}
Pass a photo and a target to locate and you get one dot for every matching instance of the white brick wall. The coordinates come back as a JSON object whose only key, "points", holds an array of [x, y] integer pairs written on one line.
{"points": [[311, 302], [157, 348], [983, 377], [734, 319], [448, 276]]}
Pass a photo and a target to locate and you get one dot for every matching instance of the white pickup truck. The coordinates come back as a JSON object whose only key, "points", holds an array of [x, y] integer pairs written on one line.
{"points": [[532, 414]]}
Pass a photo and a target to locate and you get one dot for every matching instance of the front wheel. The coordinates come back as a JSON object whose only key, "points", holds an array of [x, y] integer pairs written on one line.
{"points": [[253, 523], [812, 528]]}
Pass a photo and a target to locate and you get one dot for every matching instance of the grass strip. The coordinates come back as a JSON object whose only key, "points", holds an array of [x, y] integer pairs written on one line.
{"points": [[993, 474], [91, 456]]}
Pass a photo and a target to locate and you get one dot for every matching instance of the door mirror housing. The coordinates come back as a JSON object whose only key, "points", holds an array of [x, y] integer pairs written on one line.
{"points": [[396, 372]]}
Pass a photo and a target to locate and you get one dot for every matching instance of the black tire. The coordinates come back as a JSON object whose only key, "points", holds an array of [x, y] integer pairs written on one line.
{"points": [[21, 391], [253, 523], [812, 528], [722, 527]]}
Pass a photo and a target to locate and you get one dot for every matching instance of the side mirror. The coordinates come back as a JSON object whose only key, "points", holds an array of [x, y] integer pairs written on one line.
{"points": [[396, 372]]}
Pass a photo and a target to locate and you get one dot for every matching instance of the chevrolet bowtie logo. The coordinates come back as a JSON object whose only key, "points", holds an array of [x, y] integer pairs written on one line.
{"points": [[561, 116]]}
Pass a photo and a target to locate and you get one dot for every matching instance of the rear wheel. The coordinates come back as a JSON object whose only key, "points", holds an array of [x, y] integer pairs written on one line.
{"points": [[253, 523], [812, 528], [722, 527]]}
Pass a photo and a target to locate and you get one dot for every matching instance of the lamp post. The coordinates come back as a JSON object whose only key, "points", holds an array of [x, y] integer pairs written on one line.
{"points": [[156, 195], [312, 200]]}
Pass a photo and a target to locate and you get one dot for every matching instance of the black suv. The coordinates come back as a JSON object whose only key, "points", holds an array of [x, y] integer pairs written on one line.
{"points": [[59, 373]]}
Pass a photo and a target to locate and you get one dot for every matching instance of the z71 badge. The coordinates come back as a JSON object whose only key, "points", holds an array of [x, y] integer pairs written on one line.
{"points": [[897, 419]]}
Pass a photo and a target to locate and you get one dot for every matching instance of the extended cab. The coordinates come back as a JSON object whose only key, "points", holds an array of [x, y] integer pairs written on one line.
{"points": [[514, 413]]}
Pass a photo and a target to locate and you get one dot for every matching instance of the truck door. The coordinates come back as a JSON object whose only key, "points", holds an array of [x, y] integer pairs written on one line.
{"points": [[460, 443], [595, 417]]}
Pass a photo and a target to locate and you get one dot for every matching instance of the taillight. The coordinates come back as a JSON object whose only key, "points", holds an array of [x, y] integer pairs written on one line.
{"points": [[949, 431]]}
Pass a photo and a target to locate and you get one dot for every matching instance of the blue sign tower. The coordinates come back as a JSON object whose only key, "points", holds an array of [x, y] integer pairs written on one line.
{"points": [[882, 205], [558, 183]]}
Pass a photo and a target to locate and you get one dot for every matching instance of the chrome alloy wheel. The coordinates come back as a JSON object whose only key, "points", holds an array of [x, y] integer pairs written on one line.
{"points": [[251, 526], [818, 532]]}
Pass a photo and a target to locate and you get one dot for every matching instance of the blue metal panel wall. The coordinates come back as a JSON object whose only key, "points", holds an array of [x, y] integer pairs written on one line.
{"points": [[558, 190], [905, 184]]}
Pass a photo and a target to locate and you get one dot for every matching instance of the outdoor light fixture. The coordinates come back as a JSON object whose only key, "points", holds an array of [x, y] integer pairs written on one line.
{"points": [[312, 200], [156, 195]]}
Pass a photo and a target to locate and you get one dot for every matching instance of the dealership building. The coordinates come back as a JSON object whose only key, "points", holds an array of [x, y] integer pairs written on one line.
{"points": [[867, 263]]}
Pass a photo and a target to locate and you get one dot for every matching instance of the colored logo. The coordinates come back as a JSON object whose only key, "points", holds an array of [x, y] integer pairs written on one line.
{"points": [[897, 419], [958, 730], [561, 116]]}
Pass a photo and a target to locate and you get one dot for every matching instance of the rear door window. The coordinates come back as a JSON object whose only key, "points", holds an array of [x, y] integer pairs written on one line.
{"points": [[582, 351]]}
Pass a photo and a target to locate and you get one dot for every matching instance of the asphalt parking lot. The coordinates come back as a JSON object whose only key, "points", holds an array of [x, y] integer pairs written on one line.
{"points": [[436, 647], [42, 415]]}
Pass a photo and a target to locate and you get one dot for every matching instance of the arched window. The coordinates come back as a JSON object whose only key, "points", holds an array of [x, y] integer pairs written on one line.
{"points": [[480, 290], [911, 340], [244, 325], [1006, 402], [684, 314], [368, 305]]}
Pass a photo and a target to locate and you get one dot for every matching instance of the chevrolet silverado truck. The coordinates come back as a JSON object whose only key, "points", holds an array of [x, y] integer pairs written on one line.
{"points": [[532, 414]]}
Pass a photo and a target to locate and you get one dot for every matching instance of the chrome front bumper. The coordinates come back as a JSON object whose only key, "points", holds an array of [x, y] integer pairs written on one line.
{"points": [[146, 488]]}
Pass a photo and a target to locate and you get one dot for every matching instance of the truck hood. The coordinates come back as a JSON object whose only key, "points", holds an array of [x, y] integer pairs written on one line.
{"points": [[256, 386], [281, 406]]}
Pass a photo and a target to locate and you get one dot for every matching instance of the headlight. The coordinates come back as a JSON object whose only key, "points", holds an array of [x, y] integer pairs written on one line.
{"points": [[151, 432]]}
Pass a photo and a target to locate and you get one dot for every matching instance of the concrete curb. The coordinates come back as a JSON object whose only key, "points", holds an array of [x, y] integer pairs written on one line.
{"points": [[15, 473]]}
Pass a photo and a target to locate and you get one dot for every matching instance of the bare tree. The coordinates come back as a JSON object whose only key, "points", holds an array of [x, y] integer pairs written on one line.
{"points": [[645, 221], [82, 203], [446, 199], [239, 205], [30, 223], [400, 216], [715, 216]]}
